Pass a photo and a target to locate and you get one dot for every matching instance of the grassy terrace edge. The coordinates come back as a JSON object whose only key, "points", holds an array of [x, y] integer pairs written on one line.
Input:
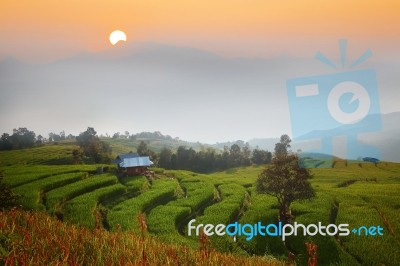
{"points": [[28, 237]]}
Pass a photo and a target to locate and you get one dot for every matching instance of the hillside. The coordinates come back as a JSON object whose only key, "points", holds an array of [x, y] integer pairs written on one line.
{"points": [[60, 152], [358, 194], [125, 145], [49, 154]]}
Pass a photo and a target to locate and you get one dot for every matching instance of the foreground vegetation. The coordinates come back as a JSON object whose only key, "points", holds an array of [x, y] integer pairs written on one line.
{"points": [[35, 238]]}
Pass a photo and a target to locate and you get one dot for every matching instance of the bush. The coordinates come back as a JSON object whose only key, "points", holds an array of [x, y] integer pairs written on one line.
{"points": [[8, 199]]}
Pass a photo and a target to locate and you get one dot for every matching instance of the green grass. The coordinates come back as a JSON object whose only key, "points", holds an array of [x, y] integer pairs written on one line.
{"points": [[135, 183], [125, 213], [80, 210], [48, 154], [20, 175], [163, 221], [224, 212], [56, 197], [32, 192], [261, 208], [168, 221], [198, 195]]}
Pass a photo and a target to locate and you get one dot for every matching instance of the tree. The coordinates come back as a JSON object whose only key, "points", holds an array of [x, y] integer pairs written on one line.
{"points": [[285, 179], [5, 142], [87, 136], [142, 149], [77, 156], [246, 155], [39, 140], [92, 147], [185, 158], [54, 137], [116, 135], [282, 147], [261, 157], [235, 156], [164, 160], [22, 138]]}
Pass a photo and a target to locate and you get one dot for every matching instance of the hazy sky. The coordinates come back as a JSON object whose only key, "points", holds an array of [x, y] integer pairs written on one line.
{"points": [[45, 29], [274, 35]]}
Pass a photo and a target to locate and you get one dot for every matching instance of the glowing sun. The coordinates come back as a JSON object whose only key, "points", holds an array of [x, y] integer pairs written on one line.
{"points": [[117, 36]]}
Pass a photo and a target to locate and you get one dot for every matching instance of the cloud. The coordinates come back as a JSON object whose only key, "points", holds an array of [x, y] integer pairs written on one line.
{"points": [[184, 92]]}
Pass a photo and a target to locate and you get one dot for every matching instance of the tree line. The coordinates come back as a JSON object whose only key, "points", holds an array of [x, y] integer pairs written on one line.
{"points": [[20, 139], [157, 135], [23, 138], [93, 150], [206, 159]]}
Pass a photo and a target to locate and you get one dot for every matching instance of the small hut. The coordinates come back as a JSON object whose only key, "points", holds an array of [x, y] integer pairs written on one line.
{"points": [[132, 163]]}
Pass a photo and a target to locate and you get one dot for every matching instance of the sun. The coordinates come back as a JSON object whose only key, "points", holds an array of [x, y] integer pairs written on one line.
{"points": [[117, 36]]}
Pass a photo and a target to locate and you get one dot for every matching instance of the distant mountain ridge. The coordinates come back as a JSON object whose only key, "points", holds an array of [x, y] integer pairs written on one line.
{"points": [[387, 140]]}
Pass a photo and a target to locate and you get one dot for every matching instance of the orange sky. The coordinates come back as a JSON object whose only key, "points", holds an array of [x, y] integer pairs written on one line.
{"points": [[48, 29]]}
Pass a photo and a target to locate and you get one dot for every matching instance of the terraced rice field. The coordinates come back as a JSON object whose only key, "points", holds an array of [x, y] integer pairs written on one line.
{"points": [[357, 194]]}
